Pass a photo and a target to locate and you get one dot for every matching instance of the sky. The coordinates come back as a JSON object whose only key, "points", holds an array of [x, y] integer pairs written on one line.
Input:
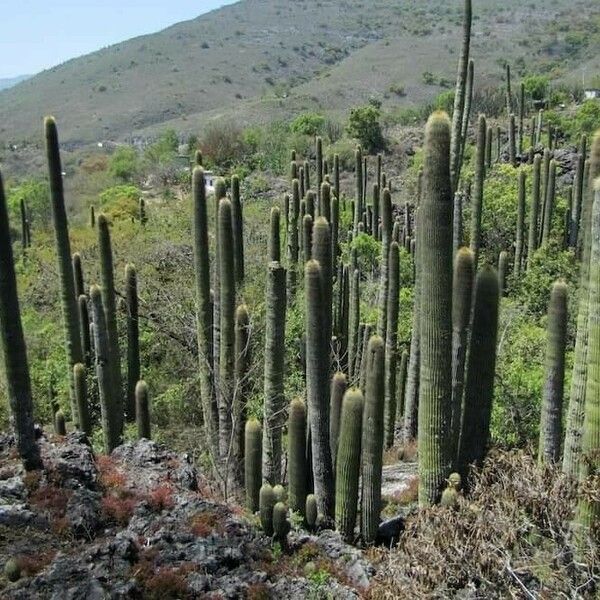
{"points": [[39, 34]]}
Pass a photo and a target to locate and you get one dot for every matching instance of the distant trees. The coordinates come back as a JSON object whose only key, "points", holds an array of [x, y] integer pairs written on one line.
{"points": [[365, 126]]}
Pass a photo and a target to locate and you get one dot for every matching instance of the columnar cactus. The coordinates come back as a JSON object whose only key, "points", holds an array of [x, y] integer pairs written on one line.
{"points": [[479, 381], [372, 440], [362, 365], [386, 235], [489, 138], [509, 98], [348, 463], [133, 338], [335, 232], [577, 201], [520, 237], [14, 354], [353, 321], [84, 328], [92, 217], [110, 401], [535, 207], [307, 231], [110, 309], [460, 95], [588, 508], [321, 252], [317, 375], [238, 230], [273, 373], [60, 427], [435, 297], [512, 142], [142, 211], [142, 410], [319, 158], [339, 383], [402, 371], [204, 310], [391, 344], [358, 208], [306, 176], [549, 204], [311, 512], [376, 205], [467, 112], [242, 384], [25, 242], [576, 412], [502, 272], [297, 464], [477, 200], [281, 525], [63, 250], [521, 117], [81, 397], [552, 401], [78, 275], [325, 201], [252, 463], [462, 294], [457, 222], [266, 503], [274, 235], [292, 241]]}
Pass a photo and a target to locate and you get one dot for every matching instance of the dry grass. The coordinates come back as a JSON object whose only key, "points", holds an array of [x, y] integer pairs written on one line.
{"points": [[510, 539]]}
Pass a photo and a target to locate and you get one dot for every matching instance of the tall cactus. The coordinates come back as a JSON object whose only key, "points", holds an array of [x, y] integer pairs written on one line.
{"points": [[319, 159], [266, 504], [402, 385], [292, 242], [460, 95], [238, 230], [588, 508], [457, 222], [307, 232], [317, 371], [339, 383], [142, 410], [549, 204], [577, 201], [242, 384], [535, 207], [84, 328], [391, 344], [298, 476], [274, 235], [502, 272], [435, 296], [81, 397], [358, 175], [462, 294], [78, 274], [348, 464], [509, 97], [353, 321], [14, 351], [477, 201], [110, 401], [133, 338], [321, 252], [372, 440], [552, 401], [521, 117], [227, 328], [204, 310], [576, 411], [63, 250], [273, 373], [520, 237], [481, 365], [253, 463], [512, 142], [386, 236]]}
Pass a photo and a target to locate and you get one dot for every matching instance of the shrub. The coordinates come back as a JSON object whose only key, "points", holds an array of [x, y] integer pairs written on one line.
{"points": [[308, 124], [124, 164], [35, 194], [364, 125], [164, 149], [222, 144], [536, 86], [120, 202]]}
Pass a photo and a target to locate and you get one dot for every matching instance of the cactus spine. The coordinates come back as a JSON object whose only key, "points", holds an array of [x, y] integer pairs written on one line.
{"points": [[576, 411], [317, 371], [588, 509], [348, 463], [298, 476], [252, 463], [204, 310], [462, 294], [133, 338], [273, 374], [18, 382], [226, 327], [142, 410], [391, 344], [435, 297], [479, 381], [110, 403], [372, 440], [552, 401], [63, 250]]}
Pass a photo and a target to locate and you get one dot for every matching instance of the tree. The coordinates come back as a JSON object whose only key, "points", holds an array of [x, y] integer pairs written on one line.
{"points": [[364, 125], [308, 124], [123, 164]]}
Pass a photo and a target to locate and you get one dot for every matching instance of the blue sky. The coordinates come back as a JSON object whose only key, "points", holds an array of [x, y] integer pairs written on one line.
{"points": [[37, 35]]}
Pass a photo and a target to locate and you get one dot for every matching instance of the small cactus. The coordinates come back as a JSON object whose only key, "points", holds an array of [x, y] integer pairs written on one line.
{"points": [[252, 463], [281, 525], [451, 493], [311, 512], [12, 570], [142, 410], [59, 423], [83, 410], [266, 503], [297, 456]]}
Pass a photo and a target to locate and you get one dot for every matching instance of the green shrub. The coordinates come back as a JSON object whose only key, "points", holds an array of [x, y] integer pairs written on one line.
{"points": [[120, 202], [124, 164], [308, 124], [364, 125], [35, 194], [164, 149], [536, 86]]}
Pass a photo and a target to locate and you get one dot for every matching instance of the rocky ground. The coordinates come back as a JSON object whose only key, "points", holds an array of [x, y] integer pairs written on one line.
{"points": [[142, 523]]}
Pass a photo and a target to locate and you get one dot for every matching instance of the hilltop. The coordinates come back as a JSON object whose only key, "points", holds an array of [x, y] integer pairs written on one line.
{"points": [[259, 60]]}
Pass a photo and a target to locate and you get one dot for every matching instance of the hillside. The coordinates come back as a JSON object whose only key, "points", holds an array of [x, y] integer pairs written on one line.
{"points": [[264, 59], [8, 82]]}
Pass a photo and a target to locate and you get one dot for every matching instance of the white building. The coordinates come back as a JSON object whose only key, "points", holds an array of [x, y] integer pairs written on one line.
{"points": [[591, 93], [209, 181]]}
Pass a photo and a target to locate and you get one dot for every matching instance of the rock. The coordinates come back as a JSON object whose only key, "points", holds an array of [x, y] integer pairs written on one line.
{"points": [[72, 461], [83, 513], [389, 531], [12, 490], [19, 515]]}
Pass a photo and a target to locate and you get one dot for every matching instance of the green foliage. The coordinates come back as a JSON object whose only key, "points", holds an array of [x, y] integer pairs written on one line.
{"points": [[364, 125], [308, 124], [536, 86], [164, 149], [120, 202], [367, 249], [124, 164], [445, 102], [35, 194]]}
